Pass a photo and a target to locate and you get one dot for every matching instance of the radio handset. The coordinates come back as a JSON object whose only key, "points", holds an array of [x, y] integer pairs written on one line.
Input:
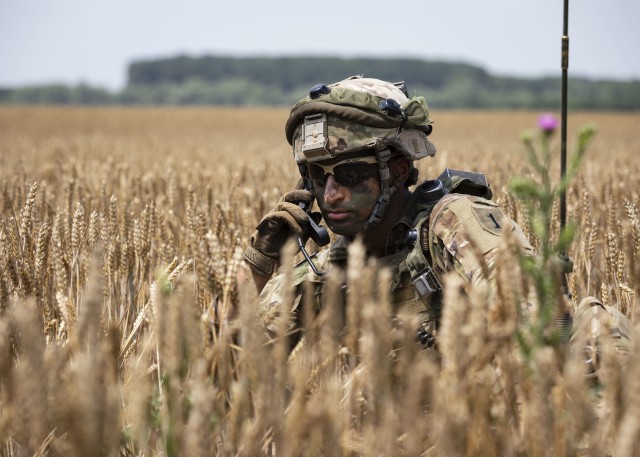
{"points": [[316, 232]]}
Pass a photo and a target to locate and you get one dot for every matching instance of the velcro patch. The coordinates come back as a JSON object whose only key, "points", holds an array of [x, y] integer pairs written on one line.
{"points": [[491, 218]]}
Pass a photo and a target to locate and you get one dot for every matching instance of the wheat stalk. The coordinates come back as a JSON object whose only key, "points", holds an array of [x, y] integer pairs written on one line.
{"points": [[156, 346]]}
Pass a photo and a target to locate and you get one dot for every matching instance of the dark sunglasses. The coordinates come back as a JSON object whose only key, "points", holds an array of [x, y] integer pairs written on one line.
{"points": [[346, 173]]}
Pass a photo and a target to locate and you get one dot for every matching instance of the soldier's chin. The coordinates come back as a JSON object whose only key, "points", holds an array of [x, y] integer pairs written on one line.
{"points": [[346, 229]]}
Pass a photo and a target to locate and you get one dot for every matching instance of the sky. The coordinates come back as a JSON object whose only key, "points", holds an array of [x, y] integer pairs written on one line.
{"points": [[93, 41]]}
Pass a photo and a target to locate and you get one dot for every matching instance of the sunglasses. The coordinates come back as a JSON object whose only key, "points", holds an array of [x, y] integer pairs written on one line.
{"points": [[346, 173]]}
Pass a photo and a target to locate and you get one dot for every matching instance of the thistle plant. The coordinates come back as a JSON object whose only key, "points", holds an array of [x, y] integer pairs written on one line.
{"points": [[537, 194]]}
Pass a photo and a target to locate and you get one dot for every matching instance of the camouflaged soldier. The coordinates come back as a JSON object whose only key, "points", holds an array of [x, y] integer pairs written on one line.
{"points": [[355, 143]]}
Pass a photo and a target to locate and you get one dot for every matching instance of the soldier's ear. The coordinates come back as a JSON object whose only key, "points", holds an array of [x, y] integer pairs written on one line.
{"points": [[400, 168]]}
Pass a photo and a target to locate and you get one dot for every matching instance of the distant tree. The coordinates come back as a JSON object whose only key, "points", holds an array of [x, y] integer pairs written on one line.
{"points": [[223, 80]]}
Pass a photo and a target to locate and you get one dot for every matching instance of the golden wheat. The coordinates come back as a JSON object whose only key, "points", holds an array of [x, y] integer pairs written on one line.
{"points": [[128, 325]]}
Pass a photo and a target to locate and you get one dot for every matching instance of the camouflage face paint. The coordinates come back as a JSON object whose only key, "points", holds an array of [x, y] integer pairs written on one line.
{"points": [[345, 209]]}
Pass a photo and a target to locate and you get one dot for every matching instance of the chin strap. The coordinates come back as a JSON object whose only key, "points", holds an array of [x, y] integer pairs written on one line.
{"points": [[379, 209], [386, 190]]}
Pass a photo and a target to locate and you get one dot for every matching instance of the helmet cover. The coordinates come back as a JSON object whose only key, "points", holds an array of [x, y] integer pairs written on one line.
{"points": [[349, 117]]}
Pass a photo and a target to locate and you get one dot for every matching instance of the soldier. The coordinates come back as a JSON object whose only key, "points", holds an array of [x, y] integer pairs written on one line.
{"points": [[355, 143]]}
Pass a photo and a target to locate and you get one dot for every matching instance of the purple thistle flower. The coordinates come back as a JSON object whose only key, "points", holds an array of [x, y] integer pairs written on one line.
{"points": [[547, 123]]}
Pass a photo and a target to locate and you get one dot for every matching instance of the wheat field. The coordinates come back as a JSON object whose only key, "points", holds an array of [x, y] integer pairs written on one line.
{"points": [[128, 325]]}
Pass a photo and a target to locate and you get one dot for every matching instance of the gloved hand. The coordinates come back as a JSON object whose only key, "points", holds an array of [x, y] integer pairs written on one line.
{"points": [[286, 220]]}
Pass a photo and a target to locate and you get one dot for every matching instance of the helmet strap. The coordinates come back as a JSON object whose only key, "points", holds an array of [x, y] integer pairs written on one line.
{"points": [[386, 189]]}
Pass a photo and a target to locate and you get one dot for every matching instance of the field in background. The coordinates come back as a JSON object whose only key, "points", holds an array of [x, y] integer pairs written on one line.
{"points": [[123, 329]]}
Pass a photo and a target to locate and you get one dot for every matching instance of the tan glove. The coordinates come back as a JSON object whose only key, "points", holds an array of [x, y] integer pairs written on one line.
{"points": [[286, 220]]}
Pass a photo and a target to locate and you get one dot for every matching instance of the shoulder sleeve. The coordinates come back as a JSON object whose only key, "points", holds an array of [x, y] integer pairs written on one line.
{"points": [[465, 232], [272, 299]]}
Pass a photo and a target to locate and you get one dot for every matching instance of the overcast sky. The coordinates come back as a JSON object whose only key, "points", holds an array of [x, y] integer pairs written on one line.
{"points": [[92, 41]]}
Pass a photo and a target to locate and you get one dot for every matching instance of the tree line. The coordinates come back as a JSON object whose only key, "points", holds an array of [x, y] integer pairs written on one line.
{"points": [[275, 81]]}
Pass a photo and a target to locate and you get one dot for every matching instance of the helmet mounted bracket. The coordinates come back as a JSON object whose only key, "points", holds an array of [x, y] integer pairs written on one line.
{"points": [[316, 138]]}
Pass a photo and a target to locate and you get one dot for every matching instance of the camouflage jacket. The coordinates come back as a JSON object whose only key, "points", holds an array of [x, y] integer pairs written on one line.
{"points": [[450, 232]]}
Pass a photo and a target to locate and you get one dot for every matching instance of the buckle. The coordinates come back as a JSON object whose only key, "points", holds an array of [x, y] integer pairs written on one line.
{"points": [[426, 283]]}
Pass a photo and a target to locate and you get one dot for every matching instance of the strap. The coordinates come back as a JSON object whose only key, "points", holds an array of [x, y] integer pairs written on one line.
{"points": [[422, 276], [383, 156], [260, 263], [380, 207]]}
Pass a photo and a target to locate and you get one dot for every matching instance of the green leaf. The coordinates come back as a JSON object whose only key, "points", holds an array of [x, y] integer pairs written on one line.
{"points": [[566, 237], [524, 187]]}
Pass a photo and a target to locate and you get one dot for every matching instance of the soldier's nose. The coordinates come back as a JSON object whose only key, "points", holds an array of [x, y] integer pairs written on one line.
{"points": [[332, 191]]}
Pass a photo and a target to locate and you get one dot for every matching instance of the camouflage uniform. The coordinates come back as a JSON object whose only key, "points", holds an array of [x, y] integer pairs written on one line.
{"points": [[459, 231], [451, 235], [450, 232]]}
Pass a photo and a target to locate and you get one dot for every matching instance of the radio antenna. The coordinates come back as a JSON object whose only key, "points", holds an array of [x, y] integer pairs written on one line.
{"points": [[563, 121]]}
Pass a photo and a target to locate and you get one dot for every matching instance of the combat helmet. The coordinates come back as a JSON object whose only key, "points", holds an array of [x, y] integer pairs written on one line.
{"points": [[356, 115]]}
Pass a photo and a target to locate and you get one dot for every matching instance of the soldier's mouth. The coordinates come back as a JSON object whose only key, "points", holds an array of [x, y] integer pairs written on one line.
{"points": [[337, 215]]}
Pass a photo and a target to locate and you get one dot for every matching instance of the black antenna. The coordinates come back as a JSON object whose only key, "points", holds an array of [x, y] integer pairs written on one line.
{"points": [[563, 320], [563, 122]]}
